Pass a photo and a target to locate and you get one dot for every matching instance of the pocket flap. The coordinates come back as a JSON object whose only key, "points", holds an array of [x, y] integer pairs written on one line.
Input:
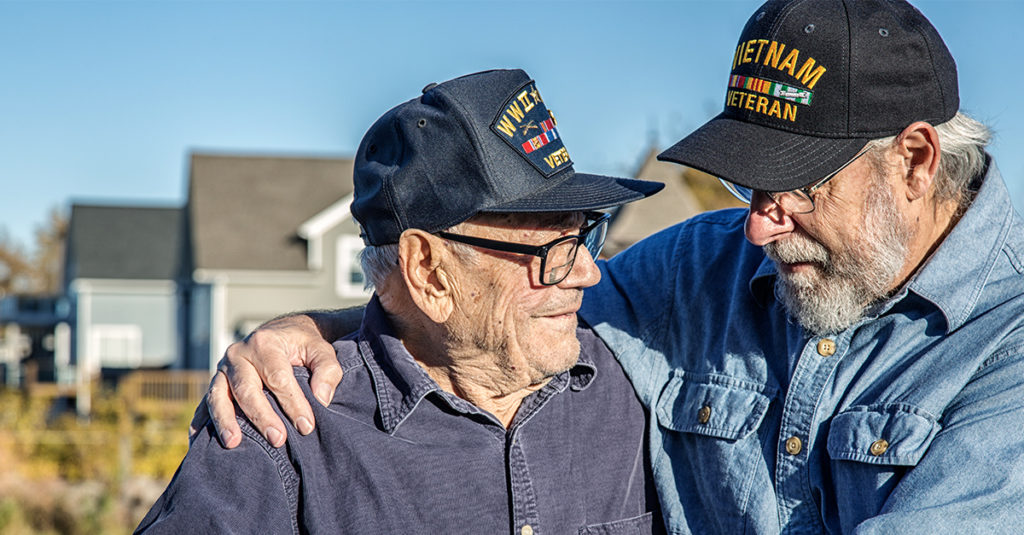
{"points": [[712, 405], [889, 435]]}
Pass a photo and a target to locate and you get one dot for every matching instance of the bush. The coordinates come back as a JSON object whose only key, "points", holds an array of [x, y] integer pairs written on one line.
{"points": [[67, 475]]}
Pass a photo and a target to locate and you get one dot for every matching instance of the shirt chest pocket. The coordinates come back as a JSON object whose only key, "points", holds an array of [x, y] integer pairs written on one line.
{"points": [[712, 405], [894, 435]]}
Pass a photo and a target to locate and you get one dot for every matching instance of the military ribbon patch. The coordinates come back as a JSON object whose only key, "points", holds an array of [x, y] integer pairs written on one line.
{"points": [[538, 141], [768, 87], [525, 123]]}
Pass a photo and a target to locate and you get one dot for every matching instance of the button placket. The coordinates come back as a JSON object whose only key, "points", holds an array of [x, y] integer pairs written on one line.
{"points": [[524, 498], [810, 375]]}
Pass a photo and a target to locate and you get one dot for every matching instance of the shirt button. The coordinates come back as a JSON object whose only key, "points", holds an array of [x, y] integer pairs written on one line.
{"points": [[826, 347], [879, 446], [793, 445], [704, 414], [527, 530]]}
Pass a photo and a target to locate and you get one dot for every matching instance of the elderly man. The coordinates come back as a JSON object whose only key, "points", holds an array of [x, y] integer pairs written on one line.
{"points": [[467, 405], [856, 364]]}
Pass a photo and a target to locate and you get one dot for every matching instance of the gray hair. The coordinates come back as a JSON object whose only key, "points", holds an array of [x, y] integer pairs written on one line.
{"points": [[378, 261], [962, 142]]}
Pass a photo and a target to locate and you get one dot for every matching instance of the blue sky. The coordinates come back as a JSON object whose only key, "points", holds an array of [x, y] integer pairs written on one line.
{"points": [[104, 101]]}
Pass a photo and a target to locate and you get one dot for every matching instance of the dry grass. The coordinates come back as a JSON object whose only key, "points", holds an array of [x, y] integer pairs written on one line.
{"points": [[69, 476]]}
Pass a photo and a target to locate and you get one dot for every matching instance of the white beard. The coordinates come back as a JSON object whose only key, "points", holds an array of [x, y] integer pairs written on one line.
{"points": [[844, 283]]}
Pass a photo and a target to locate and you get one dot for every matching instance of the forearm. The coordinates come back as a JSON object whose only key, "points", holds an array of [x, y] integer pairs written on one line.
{"points": [[334, 324]]}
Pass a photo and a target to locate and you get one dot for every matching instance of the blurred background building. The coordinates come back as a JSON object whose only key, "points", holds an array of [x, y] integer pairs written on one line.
{"points": [[169, 288]]}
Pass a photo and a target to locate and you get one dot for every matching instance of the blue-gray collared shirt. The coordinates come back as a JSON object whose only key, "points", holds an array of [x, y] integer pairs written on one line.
{"points": [[395, 454], [910, 420]]}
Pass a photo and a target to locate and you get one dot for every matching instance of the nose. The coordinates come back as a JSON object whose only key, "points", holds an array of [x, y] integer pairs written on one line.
{"points": [[766, 221], [584, 273]]}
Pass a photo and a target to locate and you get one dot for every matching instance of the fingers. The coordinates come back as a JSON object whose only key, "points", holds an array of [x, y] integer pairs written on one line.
{"points": [[281, 381], [272, 350], [323, 362], [246, 387], [265, 358], [219, 408]]}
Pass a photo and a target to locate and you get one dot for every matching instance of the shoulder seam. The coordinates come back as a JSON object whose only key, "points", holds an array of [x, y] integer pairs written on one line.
{"points": [[1016, 349], [724, 216], [1014, 258], [289, 479]]}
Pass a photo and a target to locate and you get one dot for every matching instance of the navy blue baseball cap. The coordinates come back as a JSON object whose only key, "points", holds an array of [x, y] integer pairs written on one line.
{"points": [[484, 142], [812, 81]]}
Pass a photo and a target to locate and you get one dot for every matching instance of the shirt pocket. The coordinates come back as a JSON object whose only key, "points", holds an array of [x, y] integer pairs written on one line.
{"points": [[894, 435], [643, 524], [712, 405]]}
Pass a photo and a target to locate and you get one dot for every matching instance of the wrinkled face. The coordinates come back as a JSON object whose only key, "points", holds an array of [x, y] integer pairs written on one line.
{"points": [[845, 255], [501, 306]]}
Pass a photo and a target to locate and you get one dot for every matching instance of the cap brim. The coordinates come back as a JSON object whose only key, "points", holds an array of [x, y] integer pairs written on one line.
{"points": [[760, 157], [582, 192]]}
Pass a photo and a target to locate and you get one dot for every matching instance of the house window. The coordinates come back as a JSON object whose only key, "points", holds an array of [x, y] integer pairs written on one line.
{"points": [[116, 345], [348, 275]]}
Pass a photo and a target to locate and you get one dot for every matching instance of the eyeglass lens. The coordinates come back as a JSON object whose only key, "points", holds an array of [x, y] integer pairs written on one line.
{"points": [[796, 201], [562, 255]]}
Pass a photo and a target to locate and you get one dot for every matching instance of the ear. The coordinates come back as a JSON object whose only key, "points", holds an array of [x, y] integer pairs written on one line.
{"points": [[918, 145], [421, 258]]}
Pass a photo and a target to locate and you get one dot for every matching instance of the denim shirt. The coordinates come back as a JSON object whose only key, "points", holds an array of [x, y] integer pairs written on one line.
{"points": [[393, 453], [909, 420]]}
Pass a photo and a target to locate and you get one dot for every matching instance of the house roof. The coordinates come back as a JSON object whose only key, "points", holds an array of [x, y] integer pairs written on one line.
{"points": [[246, 211], [639, 219], [687, 192], [124, 242]]}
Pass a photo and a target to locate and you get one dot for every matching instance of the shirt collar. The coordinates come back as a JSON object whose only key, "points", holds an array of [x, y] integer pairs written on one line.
{"points": [[400, 384], [398, 381], [762, 284], [577, 378], [953, 277], [583, 372]]}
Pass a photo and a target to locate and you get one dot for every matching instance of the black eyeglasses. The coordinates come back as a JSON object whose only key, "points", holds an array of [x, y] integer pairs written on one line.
{"points": [[557, 256]]}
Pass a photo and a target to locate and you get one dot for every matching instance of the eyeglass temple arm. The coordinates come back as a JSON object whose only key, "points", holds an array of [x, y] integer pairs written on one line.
{"points": [[507, 247]]}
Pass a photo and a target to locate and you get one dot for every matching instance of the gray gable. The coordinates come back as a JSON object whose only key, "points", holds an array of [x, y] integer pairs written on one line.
{"points": [[124, 242], [245, 211]]}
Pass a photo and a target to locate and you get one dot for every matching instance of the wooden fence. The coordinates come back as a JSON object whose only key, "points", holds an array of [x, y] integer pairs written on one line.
{"points": [[157, 391]]}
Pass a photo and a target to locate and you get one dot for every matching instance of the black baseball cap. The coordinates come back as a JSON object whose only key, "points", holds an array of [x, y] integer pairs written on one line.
{"points": [[813, 81], [484, 142]]}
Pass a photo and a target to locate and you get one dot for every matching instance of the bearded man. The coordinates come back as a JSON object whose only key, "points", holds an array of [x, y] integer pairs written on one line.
{"points": [[856, 363]]}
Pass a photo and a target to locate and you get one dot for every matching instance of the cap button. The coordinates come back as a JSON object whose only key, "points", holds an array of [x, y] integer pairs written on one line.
{"points": [[429, 86]]}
